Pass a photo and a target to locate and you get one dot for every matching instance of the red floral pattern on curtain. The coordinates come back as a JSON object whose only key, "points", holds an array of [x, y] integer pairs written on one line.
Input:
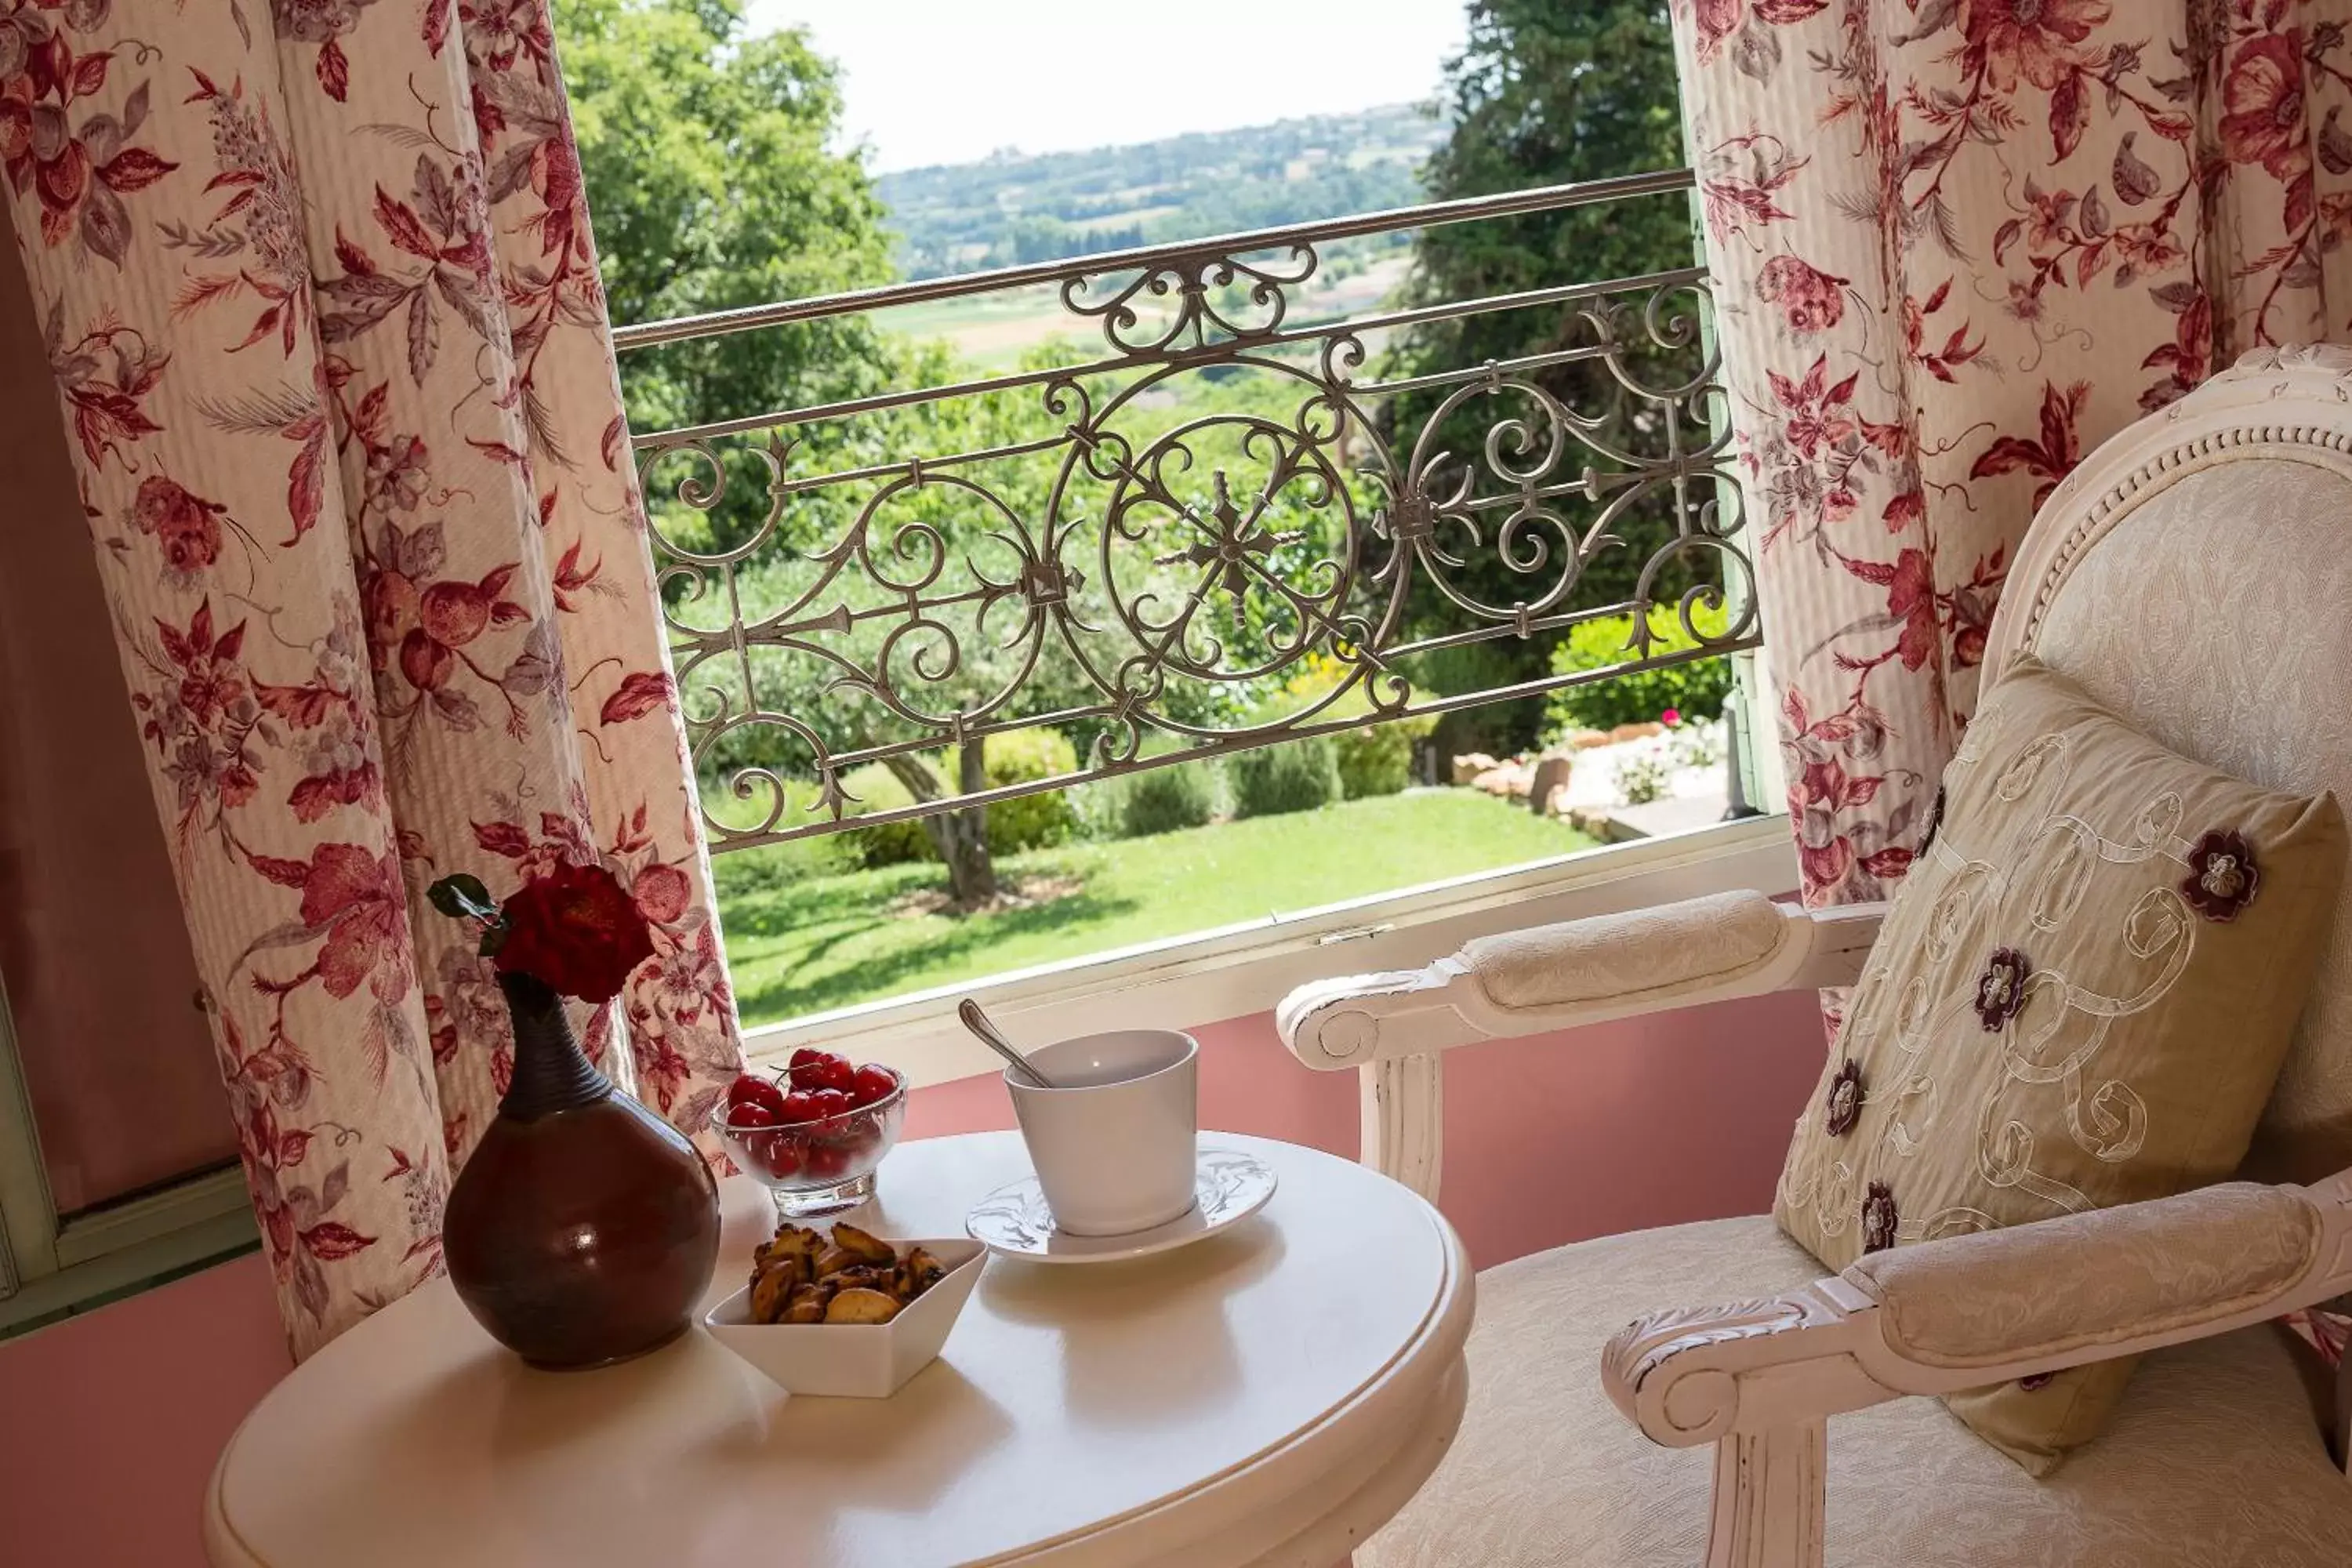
{"points": [[323, 307], [1957, 244]]}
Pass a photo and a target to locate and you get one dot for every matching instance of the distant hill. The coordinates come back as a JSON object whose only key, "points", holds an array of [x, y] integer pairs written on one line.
{"points": [[1011, 207]]}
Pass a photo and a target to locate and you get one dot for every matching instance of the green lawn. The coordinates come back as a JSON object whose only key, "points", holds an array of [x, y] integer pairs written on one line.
{"points": [[801, 944]]}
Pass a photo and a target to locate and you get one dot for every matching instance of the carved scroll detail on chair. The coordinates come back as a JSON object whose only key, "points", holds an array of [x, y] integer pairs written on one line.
{"points": [[1560, 976], [1393, 1023], [1647, 1343]]}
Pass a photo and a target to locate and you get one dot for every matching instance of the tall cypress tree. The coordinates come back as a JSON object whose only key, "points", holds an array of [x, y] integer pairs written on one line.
{"points": [[1543, 93]]}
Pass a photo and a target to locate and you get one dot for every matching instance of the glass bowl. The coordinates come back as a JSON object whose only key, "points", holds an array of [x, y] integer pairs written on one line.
{"points": [[819, 1167]]}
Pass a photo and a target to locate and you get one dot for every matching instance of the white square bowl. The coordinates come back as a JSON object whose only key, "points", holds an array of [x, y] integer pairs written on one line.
{"points": [[856, 1360]]}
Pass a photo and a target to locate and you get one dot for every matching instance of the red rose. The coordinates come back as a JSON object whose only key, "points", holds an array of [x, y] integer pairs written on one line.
{"points": [[575, 930]]}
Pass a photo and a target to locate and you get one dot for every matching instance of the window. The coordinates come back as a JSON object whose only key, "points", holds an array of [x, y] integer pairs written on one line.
{"points": [[116, 1164], [1056, 579], [1095, 568]]}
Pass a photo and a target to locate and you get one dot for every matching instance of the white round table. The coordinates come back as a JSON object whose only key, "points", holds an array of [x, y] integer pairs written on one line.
{"points": [[1265, 1399]]}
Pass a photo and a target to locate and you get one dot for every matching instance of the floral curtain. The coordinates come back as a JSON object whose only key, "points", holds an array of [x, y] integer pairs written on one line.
{"points": [[1957, 244], [323, 307]]}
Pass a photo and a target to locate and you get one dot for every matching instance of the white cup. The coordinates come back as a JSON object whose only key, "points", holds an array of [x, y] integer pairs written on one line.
{"points": [[1114, 1146]]}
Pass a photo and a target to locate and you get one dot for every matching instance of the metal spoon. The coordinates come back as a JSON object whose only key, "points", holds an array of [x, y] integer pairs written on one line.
{"points": [[980, 1024]]}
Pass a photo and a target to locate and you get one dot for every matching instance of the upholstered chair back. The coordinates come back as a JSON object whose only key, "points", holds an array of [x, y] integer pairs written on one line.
{"points": [[2196, 575]]}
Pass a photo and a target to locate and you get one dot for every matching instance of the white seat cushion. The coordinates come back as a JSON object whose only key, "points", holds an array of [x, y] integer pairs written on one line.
{"points": [[2215, 1458]]}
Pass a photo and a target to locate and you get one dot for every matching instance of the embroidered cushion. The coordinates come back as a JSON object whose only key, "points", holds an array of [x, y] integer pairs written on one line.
{"points": [[2080, 998]]}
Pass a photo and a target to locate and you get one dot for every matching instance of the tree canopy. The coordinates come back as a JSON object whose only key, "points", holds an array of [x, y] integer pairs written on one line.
{"points": [[1543, 93], [715, 180]]}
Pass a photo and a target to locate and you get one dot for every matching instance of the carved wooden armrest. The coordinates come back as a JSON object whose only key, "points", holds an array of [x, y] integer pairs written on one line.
{"points": [[1578, 971], [1760, 1378], [2035, 1291], [1553, 977]]}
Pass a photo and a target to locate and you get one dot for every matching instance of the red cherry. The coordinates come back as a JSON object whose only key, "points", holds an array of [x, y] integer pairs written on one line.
{"points": [[784, 1153], [839, 1074], [798, 1106], [815, 1071], [827, 1162], [831, 1103], [750, 1114], [872, 1082], [750, 1089]]}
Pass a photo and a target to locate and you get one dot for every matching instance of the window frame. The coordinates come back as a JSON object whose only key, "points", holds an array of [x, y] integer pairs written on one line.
{"points": [[53, 1265], [1247, 968]]}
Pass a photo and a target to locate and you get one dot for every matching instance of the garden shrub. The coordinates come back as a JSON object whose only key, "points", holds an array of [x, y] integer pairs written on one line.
{"points": [[886, 843], [1379, 760], [1695, 690], [1030, 821], [1165, 799], [1294, 775], [1027, 822]]}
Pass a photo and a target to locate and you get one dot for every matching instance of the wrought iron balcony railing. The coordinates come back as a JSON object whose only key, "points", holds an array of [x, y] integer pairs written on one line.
{"points": [[1222, 525]]}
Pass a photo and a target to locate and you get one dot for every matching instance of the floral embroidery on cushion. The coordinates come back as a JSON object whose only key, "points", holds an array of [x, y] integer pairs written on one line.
{"points": [[2001, 990], [1878, 1218], [1845, 1106], [2222, 876]]}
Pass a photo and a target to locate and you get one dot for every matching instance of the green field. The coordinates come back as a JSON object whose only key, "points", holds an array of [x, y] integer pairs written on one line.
{"points": [[799, 943], [990, 333]]}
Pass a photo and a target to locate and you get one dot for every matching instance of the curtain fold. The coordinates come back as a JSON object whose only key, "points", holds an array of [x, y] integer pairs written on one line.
{"points": [[321, 303], [1957, 244]]}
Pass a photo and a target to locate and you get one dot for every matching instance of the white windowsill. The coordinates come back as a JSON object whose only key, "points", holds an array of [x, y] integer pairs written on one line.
{"points": [[1248, 968]]}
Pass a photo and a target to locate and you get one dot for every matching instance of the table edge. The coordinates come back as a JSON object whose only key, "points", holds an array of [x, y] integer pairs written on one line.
{"points": [[1430, 1354]]}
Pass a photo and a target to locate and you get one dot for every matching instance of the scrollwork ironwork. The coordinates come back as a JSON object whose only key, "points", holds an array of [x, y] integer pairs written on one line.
{"points": [[1136, 568]]}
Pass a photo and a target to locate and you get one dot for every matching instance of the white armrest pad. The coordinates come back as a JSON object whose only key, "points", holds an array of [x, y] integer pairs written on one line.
{"points": [[2095, 1278], [1609, 956]]}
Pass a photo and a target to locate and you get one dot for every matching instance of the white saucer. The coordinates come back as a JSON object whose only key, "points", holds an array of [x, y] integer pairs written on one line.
{"points": [[1014, 1222]]}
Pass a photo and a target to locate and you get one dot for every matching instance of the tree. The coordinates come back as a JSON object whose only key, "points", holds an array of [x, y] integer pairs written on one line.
{"points": [[712, 179], [1542, 94]]}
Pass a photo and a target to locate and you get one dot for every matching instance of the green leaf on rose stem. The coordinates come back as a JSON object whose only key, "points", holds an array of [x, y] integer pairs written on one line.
{"points": [[461, 896], [494, 937]]}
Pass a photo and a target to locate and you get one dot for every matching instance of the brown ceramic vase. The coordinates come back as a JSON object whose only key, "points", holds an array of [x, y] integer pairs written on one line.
{"points": [[585, 1229]]}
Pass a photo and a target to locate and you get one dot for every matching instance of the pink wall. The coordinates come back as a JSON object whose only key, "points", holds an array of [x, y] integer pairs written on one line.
{"points": [[1641, 1122], [109, 1423]]}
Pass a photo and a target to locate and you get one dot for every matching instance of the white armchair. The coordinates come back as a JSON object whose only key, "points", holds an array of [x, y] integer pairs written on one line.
{"points": [[2194, 574]]}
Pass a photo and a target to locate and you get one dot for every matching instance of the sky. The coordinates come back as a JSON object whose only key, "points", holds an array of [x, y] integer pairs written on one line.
{"points": [[949, 81]]}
